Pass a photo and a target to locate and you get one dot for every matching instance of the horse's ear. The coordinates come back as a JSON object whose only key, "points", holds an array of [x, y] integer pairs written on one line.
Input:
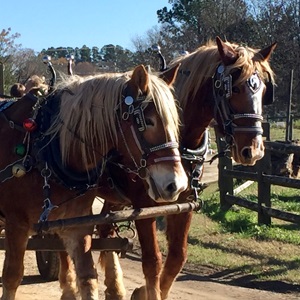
{"points": [[227, 53], [169, 75], [266, 52], [141, 78]]}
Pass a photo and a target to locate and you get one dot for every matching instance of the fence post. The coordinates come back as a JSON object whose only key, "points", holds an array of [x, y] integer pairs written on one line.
{"points": [[291, 128], [266, 130], [288, 114], [264, 188], [1, 79], [225, 182]]}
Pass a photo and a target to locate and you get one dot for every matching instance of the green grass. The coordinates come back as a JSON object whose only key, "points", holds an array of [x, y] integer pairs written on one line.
{"points": [[296, 124], [233, 242], [244, 221], [278, 134]]}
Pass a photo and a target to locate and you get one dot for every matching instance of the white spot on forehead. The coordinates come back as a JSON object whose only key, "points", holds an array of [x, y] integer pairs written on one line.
{"points": [[256, 99], [255, 86]]}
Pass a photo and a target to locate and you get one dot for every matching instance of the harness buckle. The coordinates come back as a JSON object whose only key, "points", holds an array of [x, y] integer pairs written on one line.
{"points": [[11, 124]]}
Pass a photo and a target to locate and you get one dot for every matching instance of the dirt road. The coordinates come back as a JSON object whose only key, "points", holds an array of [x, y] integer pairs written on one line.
{"points": [[187, 286]]}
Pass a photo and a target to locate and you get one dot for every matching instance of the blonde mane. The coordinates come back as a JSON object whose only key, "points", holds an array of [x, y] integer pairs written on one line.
{"points": [[202, 64], [86, 121]]}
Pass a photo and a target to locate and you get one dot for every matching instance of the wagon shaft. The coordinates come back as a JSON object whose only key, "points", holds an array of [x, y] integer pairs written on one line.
{"points": [[118, 216]]}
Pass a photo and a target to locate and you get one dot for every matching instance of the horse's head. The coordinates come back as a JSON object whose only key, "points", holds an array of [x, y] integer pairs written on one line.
{"points": [[242, 84], [148, 135], [128, 121]]}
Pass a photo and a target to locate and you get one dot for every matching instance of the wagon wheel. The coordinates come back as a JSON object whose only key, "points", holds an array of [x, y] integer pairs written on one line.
{"points": [[48, 263]]}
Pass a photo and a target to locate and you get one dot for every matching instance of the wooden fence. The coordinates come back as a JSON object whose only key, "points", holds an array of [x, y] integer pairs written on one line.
{"points": [[288, 122], [260, 173]]}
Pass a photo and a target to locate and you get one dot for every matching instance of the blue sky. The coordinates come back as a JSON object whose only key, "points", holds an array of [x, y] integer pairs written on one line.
{"points": [[65, 23]]}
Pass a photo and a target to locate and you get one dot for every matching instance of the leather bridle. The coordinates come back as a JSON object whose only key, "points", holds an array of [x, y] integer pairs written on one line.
{"points": [[222, 92], [134, 116]]}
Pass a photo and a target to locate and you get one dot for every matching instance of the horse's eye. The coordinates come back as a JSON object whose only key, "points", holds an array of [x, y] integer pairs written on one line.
{"points": [[149, 122], [235, 90]]}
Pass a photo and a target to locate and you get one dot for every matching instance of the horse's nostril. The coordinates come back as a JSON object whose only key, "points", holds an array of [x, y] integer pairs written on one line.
{"points": [[246, 152], [172, 187]]}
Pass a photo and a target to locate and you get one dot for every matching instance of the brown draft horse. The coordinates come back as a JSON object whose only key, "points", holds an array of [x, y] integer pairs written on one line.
{"points": [[55, 149], [222, 81]]}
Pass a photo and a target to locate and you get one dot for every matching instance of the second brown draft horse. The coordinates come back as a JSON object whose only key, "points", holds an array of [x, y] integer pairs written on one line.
{"points": [[222, 81], [230, 84]]}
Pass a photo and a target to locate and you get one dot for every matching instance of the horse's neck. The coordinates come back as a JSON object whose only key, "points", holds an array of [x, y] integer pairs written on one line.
{"points": [[197, 116], [192, 139], [88, 155], [76, 161]]}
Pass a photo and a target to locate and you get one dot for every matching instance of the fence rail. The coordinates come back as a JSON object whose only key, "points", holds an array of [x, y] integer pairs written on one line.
{"points": [[262, 174]]}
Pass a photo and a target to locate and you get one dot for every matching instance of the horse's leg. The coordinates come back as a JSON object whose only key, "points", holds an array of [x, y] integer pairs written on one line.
{"points": [[78, 245], [109, 261], [67, 277], [151, 261], [115, 289], [16, 238], [177, 236]]}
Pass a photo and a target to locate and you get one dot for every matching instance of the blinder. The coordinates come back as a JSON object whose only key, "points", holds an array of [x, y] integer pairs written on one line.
{"points": [[268, 97]]}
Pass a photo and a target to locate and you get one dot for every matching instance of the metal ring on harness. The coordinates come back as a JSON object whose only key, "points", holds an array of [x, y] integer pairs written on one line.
{"points": [[218, 84]]}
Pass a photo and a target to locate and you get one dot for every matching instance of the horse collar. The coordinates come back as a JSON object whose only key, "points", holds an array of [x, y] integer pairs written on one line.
{"points": [[5, 104], [44, 149], [47, 150]]}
